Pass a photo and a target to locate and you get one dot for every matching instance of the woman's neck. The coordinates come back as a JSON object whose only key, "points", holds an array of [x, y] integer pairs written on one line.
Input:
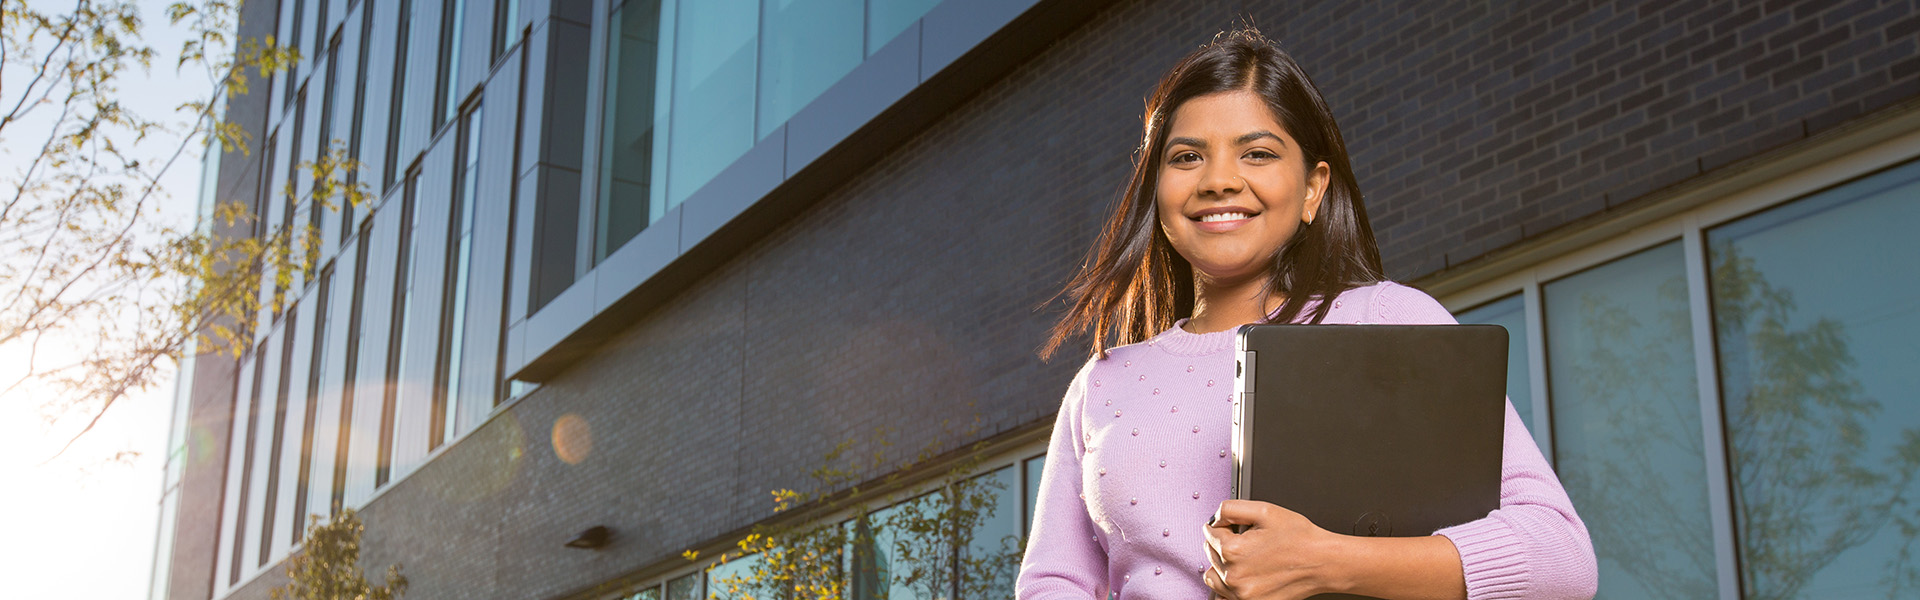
{"points": [[1222, 305]]}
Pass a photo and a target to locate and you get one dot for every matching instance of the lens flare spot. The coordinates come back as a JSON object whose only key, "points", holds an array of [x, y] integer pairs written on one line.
{"points": [[572, 438]]}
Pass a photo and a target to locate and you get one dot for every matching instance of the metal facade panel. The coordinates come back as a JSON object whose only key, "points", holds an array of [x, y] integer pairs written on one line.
{"points": [[326, 413], [520, 256], [487, 278], [236, 454], [299, 367], [534, 78], [379, 93], [476, 48], [416, 102], [264, 413], [432, 217], [376, 321]]}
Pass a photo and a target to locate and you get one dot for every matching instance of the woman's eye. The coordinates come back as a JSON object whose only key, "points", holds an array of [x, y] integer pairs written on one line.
{"points": [[1262, 155], [1184, 157]]}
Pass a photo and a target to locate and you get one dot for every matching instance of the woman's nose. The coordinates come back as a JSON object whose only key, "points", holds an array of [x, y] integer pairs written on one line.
{"points": [[1222, 181]]}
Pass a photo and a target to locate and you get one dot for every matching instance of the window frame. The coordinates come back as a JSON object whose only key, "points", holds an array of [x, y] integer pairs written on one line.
{"points": [[1014, 454], [1684, 215]]}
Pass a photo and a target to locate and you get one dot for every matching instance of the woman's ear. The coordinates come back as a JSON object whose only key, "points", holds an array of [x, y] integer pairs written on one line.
{"points": [[1317, 180]]}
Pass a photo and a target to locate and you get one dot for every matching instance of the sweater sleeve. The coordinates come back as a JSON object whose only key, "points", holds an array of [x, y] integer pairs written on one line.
{"points": [[1534, 545], [1064, 559]]}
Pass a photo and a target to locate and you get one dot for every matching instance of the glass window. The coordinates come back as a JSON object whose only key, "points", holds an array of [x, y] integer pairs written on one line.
{"points": [[453, 16], [735, 579], [990, 504], [395, 115], [297, 10], [809, 45], [398, 340], [246, 464], [322, 318], [628, 199], [453, 324], [1626, 423], [506, 26], [1816, 309], [898, 565], [360, 86], [271, 494], [1034, 468], [1511, 313], [350, 367], [684, 588], [890, 17], [652, 593], [713, 80]]}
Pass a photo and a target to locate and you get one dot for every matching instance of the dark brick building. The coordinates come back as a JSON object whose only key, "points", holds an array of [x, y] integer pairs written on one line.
{"points": [[635, 264]]}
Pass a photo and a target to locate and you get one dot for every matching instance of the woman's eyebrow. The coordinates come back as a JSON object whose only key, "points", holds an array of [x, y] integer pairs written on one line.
{"points": [[1195, 142], [1239, 141], [1250, 137]]}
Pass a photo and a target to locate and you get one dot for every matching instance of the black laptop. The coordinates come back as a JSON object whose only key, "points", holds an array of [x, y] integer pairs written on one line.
{"points": [[1371, 430]]}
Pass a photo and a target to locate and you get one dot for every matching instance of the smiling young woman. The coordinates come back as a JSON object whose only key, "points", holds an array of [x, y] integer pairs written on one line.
{"points": [[1243, 208]]}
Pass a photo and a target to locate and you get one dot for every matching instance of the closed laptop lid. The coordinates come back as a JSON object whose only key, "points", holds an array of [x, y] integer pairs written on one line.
{"points": [[1382, 430]]}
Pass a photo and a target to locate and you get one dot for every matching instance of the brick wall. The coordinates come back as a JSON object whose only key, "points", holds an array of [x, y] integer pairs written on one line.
{"points": [[903, 301]]}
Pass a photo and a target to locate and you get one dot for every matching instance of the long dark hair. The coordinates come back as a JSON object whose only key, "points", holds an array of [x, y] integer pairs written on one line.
{"points": [[1133, 284]]}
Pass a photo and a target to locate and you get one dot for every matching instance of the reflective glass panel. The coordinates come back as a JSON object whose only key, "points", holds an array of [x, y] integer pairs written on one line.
{"points": [[736, 580], [809, 45], [652, 593], [1035, 466], [1816, 312], [628, 202], [887, 18], [990, 505], [684, 588], [1626, 423], [713, 78], [1511, 313], [901, 558]]}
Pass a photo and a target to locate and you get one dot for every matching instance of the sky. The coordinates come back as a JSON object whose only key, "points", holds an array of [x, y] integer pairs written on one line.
{"points": [[84, 526]]}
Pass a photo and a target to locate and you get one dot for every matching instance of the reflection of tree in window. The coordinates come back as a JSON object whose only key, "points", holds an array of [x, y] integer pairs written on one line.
{"points": [[1807, 487], [961, 541], [1627, 423]]}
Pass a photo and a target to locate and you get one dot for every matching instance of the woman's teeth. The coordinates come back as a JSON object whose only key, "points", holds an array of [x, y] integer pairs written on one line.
{"points": [[1232, 216]]}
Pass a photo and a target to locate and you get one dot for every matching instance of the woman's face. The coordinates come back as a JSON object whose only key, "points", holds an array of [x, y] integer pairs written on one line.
{"points": [[1234, 186]]}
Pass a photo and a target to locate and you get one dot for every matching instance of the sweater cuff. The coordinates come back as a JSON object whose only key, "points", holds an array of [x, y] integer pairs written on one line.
{"points": [[1493, 558]]}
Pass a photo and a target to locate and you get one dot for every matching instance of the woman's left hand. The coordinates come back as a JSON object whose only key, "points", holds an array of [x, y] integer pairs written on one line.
{"points": [[1278, 554]]}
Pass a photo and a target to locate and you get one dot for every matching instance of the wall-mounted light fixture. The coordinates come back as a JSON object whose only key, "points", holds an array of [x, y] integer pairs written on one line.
{"points": [[594, 538]]}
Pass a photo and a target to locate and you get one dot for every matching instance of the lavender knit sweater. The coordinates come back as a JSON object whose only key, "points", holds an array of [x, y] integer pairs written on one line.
{"points": [[1138, 464]]}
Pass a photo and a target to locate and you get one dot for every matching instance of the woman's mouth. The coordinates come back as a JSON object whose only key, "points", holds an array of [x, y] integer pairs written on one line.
{"points": [[1222, 222], [1232, 216]]}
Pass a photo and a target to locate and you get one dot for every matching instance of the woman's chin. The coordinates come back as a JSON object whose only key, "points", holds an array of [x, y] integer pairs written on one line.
{"points": [[1228, 274]]}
